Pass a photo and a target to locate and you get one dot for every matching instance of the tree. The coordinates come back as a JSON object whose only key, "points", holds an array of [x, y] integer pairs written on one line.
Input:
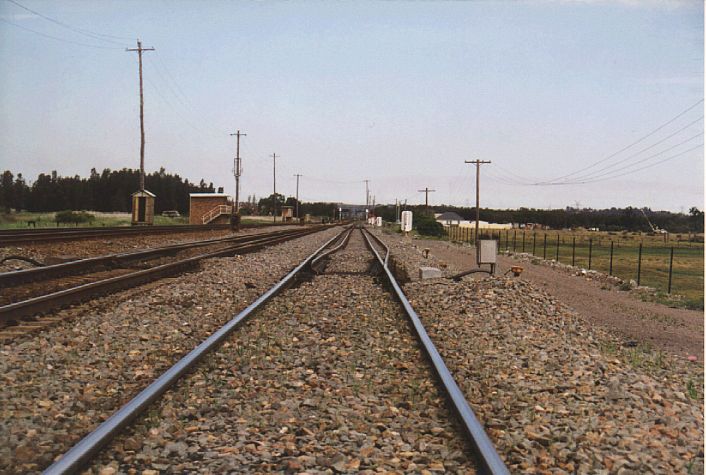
{"points": [[8, 191], [265, 204]]}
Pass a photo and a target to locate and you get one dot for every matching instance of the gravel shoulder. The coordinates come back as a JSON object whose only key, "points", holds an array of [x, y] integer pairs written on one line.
{"points": [[59, 384], [556, 392], [679, 332]]}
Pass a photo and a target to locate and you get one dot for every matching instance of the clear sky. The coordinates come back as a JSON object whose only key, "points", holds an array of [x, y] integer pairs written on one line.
{"points": [[400, 93]]}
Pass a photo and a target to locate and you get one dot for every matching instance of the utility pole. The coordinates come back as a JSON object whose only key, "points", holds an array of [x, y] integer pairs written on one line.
{"points": [[426, 191], [236, 172], [367, 193], [274, 188], [139, 50], [297, 175], [478, 163]]}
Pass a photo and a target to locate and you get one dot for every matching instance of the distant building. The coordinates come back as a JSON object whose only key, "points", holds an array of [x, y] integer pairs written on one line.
{"points": [[209, 208], [453, 219]]}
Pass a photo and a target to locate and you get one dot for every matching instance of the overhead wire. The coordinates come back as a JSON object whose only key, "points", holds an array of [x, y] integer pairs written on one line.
{"points": [[649, 134], [684, 152], [82, 31], [78, 43], [616, 163]]}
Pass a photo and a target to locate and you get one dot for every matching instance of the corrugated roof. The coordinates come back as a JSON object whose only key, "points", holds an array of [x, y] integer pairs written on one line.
{"points": [[449, 216]]}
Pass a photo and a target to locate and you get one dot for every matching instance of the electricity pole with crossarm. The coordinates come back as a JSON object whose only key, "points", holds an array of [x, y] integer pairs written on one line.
{"points": [[478, 163], [139, 50]]}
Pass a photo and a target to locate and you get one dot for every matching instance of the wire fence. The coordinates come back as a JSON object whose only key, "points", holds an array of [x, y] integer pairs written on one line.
{"points": [[668, 268]]}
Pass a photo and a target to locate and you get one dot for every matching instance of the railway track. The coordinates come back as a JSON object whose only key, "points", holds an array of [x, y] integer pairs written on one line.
{"points": [[10, 237], [328, 376], [30, 292]]}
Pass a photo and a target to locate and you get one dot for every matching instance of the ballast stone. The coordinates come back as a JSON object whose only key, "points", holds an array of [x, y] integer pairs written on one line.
{"points": [[429, 273]]}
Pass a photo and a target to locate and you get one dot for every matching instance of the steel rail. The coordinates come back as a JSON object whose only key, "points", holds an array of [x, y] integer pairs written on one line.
{"points": [[64, 297], [485, 451], [113, 260], [91, 444], [14, 236], [330, 251], [8, 237]]}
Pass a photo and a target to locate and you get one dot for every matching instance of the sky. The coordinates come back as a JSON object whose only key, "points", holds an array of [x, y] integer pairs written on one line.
{"points": [[575, 103]]}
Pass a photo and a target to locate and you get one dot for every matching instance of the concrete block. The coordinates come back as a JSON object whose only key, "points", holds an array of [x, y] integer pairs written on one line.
{"points": [[429, 273]]}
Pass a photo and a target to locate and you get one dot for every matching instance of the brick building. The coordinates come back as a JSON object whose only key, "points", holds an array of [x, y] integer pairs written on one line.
{"points": [[209, 208]]}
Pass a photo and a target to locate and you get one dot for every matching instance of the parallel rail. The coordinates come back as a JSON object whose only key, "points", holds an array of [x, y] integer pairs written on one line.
{"points": [[81, 454], [483, 447], [15, 311], [21, 236], [119, 259]]}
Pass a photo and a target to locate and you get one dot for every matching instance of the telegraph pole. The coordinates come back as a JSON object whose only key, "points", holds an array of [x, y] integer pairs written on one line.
{"points": [[274, 188], [297, 175], [236, 172], [478, 163], [426, 191], [367, 193], [139, 50]]}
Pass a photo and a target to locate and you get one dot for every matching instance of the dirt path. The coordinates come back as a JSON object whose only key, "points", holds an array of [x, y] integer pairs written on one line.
{"points": [[677, 331]]}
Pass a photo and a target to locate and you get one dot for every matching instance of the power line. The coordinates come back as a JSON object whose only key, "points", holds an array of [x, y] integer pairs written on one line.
{"points": [[82, 31], [629, 172], [56, 37], [628, 146], [607, 167]]}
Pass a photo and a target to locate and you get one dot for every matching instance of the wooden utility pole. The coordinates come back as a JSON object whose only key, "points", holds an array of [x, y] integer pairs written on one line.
{"points": [[274, 187], [139, 50], [297, 198], [478, 163], [236, 172], [426, 191]]}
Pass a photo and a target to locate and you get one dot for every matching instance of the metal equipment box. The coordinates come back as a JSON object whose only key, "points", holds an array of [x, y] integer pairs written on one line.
{"points": [[488, 251]]}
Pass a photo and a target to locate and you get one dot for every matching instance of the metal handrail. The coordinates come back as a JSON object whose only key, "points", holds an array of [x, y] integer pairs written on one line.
{"points": [[485, 451], [90, 445], [215, 212]]}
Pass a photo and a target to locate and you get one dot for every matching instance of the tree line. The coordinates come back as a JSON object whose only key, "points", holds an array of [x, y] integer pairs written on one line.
{"points": [[612, 219], [111, 190], [107, 191]]}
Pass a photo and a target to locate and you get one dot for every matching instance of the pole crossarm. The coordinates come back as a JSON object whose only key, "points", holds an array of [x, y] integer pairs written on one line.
{"points": [[426, 191]]}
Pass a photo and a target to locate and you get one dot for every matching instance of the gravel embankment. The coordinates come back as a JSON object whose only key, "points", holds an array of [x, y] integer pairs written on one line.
{"points": [[555, 393], [59, 384], [327, 378], [96, 247]]}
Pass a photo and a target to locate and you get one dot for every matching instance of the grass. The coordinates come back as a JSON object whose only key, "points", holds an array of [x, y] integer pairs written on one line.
{"points": [[46, 220], [687, 269]]}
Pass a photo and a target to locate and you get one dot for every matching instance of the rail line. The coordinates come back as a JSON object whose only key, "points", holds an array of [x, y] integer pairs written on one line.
{"points": [[22, 236], [64, 291], [486, 458]]}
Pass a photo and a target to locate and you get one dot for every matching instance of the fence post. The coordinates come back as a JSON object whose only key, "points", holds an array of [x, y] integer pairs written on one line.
{"points": [[639, 263], [610, 271], [534, 243], [523, 240], [545, 247], [557, 248], [573, 251], [514, 240], [671, 261], [590, 252]]}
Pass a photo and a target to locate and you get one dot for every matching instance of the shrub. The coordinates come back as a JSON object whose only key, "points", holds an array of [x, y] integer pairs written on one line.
{"points": [[426, 225], [74, 217]]}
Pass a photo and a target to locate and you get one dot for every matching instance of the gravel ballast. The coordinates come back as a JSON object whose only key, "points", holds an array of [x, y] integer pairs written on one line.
{"points": [[327, 378], [555, 393], [61, 383]]}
